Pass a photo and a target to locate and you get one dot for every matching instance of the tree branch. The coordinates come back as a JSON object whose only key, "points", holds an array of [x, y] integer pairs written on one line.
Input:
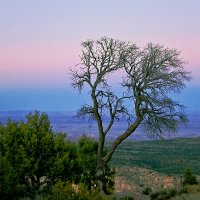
{"points": [[121, 138]]}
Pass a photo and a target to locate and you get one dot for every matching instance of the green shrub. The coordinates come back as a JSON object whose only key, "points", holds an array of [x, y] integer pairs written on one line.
{"points": [[68, 191], [33, 158], [172, 193], [190, 189], [146, 191], [183, 190], [163, 194], [27, 156], [127, 198], [87, 149], [189, 178]]}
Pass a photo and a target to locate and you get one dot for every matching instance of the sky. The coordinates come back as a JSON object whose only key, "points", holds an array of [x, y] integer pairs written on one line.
{"points": [[40, 41]]}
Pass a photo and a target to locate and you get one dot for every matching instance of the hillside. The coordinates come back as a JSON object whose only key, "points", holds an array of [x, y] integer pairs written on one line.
{"points": [[154, 164], [170, 157]]}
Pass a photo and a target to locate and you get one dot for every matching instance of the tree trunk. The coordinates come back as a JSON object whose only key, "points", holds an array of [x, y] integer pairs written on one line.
{"points": [[100, 172]]}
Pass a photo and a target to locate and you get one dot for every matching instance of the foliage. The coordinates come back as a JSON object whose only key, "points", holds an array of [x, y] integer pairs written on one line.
{"points": [[172, 156], [26, 155], [88, 160], [163, 194], [151, 75], [185, 192], [126, 198], [189, 178], [190, 189], [66, 165], [188, 192], [147, 191], [70, 191], [33, 159]]}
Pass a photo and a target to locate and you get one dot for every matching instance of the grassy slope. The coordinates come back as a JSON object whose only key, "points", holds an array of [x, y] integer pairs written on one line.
{"points": [[155, 164], [166, 156]]}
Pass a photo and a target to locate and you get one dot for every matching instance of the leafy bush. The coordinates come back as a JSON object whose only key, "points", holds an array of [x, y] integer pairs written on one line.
{"points": [[163, 194], [189, 178], [27, 156], [127, 198], [189, 189], [70, 191], [33, 158], [88, 159], [183, 190], [146, 191]]}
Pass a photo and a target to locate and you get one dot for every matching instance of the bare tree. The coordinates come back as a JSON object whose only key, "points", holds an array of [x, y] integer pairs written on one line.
{"points": [[151, 75]]}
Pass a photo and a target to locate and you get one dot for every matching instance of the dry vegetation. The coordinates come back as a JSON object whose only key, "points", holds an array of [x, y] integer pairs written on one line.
{"points": [[155, 165], [136, 179], [133, 181]]}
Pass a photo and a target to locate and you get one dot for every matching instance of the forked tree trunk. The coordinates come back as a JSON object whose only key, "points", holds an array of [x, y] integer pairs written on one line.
{"points": [[102, 161]]}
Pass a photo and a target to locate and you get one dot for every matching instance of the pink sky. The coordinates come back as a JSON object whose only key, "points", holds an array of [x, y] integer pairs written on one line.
{"points": [[47, 64], [40, 40]]}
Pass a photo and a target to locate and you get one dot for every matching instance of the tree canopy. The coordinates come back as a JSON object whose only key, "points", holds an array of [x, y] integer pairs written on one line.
{"points": [[150, 77]]}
